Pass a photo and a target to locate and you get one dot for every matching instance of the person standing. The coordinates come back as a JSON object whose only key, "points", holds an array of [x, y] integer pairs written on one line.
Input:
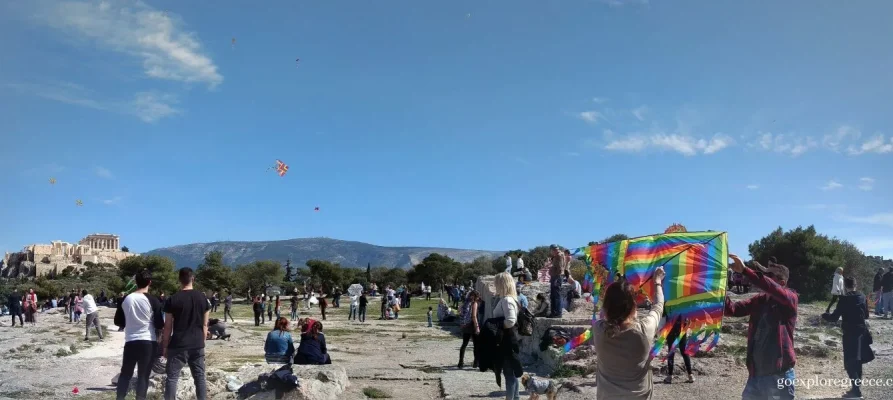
{"points": [[507, 309], [278, 308], [878, 294], [228, 307], [362, 307], [322, 305], [185, 332], [468, 324], [92, 312], [258, 308], [558, 263], [294, 306], [854, 310], [384, 304], [15, 308], [623, 341], [118, 302], [887, 292], [836, 288], [30, 305], [675, 331], [270, 308], [770, 331], [508, 263], [520, 267], [428, 293], [354, 302], [140, 315]]}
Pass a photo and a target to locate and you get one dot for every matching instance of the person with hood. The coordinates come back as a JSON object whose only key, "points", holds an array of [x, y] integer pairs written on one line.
{"points": [[856, 338], [836, 288], [876, 291], [770, 332], [887, 289], [15, 308]]}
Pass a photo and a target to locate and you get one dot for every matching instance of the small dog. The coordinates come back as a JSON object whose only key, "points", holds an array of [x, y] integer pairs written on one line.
{"points": [[537, 386]]}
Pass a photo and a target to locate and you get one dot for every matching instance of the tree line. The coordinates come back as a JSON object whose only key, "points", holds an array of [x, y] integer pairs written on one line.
{"points": [[811, 257]]}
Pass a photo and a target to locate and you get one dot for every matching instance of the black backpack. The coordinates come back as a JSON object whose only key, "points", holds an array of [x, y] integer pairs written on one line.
{"points": [[526, 322]]}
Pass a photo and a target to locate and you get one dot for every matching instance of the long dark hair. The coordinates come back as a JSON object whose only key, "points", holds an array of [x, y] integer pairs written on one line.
{"points": [[281, 325], [620, 303]]}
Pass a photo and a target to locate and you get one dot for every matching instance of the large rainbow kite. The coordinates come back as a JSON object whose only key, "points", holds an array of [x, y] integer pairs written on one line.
{"points": [[696, 265]]}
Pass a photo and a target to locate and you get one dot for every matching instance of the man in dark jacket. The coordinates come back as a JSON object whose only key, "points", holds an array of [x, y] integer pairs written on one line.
{"points": [[876, 290], [770, 331], [15, 308], [887, 295], [853, 308]]}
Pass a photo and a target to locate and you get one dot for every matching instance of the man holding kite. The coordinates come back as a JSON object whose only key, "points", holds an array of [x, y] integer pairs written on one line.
{"points": [[770, 332]]}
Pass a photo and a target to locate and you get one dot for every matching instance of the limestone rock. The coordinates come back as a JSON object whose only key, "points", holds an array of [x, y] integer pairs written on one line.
{"points": [[318, 382]]}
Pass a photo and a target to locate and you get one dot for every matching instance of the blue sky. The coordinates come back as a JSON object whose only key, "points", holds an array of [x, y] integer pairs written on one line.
{"points": [[486, 125]]}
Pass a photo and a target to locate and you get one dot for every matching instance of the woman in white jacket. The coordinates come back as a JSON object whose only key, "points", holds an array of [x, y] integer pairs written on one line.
{"points": [[836, 288], [508, 309]]}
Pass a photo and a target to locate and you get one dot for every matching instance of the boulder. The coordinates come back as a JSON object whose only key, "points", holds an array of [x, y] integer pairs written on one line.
{"points": [[317, 382]]}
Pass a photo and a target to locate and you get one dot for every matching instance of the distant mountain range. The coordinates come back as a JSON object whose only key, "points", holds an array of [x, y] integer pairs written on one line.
{"points": [[346, 253]]}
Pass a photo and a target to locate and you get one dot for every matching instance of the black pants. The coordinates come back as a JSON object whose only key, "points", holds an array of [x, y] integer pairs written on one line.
{"points": [[323, 311], [466, 337], [362, 314], [228, 311], [555, 296], [408, 301], [672, 359], [270, 315], [258, 318], [851, 362], [139, 354], [833, 300], [19, 314], [428, 296]]}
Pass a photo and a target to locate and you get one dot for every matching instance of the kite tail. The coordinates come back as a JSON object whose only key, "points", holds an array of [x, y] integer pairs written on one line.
{"points": [[714, 342], [661, 339], [573, 343]]}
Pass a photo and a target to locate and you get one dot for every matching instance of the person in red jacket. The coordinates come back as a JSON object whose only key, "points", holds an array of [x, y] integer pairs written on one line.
{"points": [[770, 331]]}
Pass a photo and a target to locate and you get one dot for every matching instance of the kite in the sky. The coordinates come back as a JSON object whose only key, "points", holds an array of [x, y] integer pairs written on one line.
{"points": [[280, 167], [79, 203], [316, 209], [52, 181], [297, 61], [467, 16], [234, 43], [696, 265]]}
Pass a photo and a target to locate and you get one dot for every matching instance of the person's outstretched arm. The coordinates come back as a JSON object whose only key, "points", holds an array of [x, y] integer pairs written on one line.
{"points": [[652, 319]]}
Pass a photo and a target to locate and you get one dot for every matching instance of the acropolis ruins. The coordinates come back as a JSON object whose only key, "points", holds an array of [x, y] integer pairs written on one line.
{"points": [[53, 258]]}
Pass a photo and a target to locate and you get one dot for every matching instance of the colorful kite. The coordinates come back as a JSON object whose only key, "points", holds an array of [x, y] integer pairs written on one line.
{"points": [[78, 202], [52, 181], [696, 265], [280, 167]]}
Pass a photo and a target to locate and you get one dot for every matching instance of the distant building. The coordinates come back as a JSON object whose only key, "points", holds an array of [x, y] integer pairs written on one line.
{"points": [[51, 259]]}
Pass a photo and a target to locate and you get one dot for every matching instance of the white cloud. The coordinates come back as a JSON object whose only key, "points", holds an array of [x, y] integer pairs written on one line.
{"points": [[784, 144], [148, 106], [831, 185], [151, 106], [833, 141], [103, 173], [629, 144], [826, 206], [112, 201], [135, 29], [590, 116], [621, 3], [753, 187], [876, 144], [573, 154], [875, 245], [866, 184], [876, 219], [640, 112], [682, 144], [599, 100]]}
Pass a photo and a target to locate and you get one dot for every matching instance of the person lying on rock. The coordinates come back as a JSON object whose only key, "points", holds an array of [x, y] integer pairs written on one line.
{"points": [[542, 306], [217, 329], [312, 350], [279, 347]]}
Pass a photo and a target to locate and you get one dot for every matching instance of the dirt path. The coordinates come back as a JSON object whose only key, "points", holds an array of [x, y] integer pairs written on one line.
{"points": [[403, 358]]}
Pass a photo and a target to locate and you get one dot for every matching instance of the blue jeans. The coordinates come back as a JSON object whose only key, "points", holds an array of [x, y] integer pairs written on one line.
{"points": [[294, 312], [780, 387], [879, 305], [353, 312], [555, 296], [512, 386]]}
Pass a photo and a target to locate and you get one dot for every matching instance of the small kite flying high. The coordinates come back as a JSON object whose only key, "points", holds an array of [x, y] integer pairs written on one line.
{"points": [[297, 61], [234, 43], [52, 181], [79, 203]]}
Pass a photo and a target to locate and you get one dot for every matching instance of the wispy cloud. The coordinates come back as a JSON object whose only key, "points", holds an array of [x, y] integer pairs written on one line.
{"points": [[833, 141], [147, 106], [682, 144], [826, 207], [599, 100], [831, 185], [166, 49], [866, 184], [112, 201], [876, 144], [573, 154], [753, 187], [640, 112], [103, 173], [784, 144], [878, 245], [591, 117], [885, 219]]}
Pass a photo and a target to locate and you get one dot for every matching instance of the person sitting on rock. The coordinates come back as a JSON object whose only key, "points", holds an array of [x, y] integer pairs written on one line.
{"points": [[542, 306], [279, 347], [217, 329], [312, 350]]}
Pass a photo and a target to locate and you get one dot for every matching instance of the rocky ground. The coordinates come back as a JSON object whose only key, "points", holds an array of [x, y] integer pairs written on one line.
{"points": [[403, 359]]}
